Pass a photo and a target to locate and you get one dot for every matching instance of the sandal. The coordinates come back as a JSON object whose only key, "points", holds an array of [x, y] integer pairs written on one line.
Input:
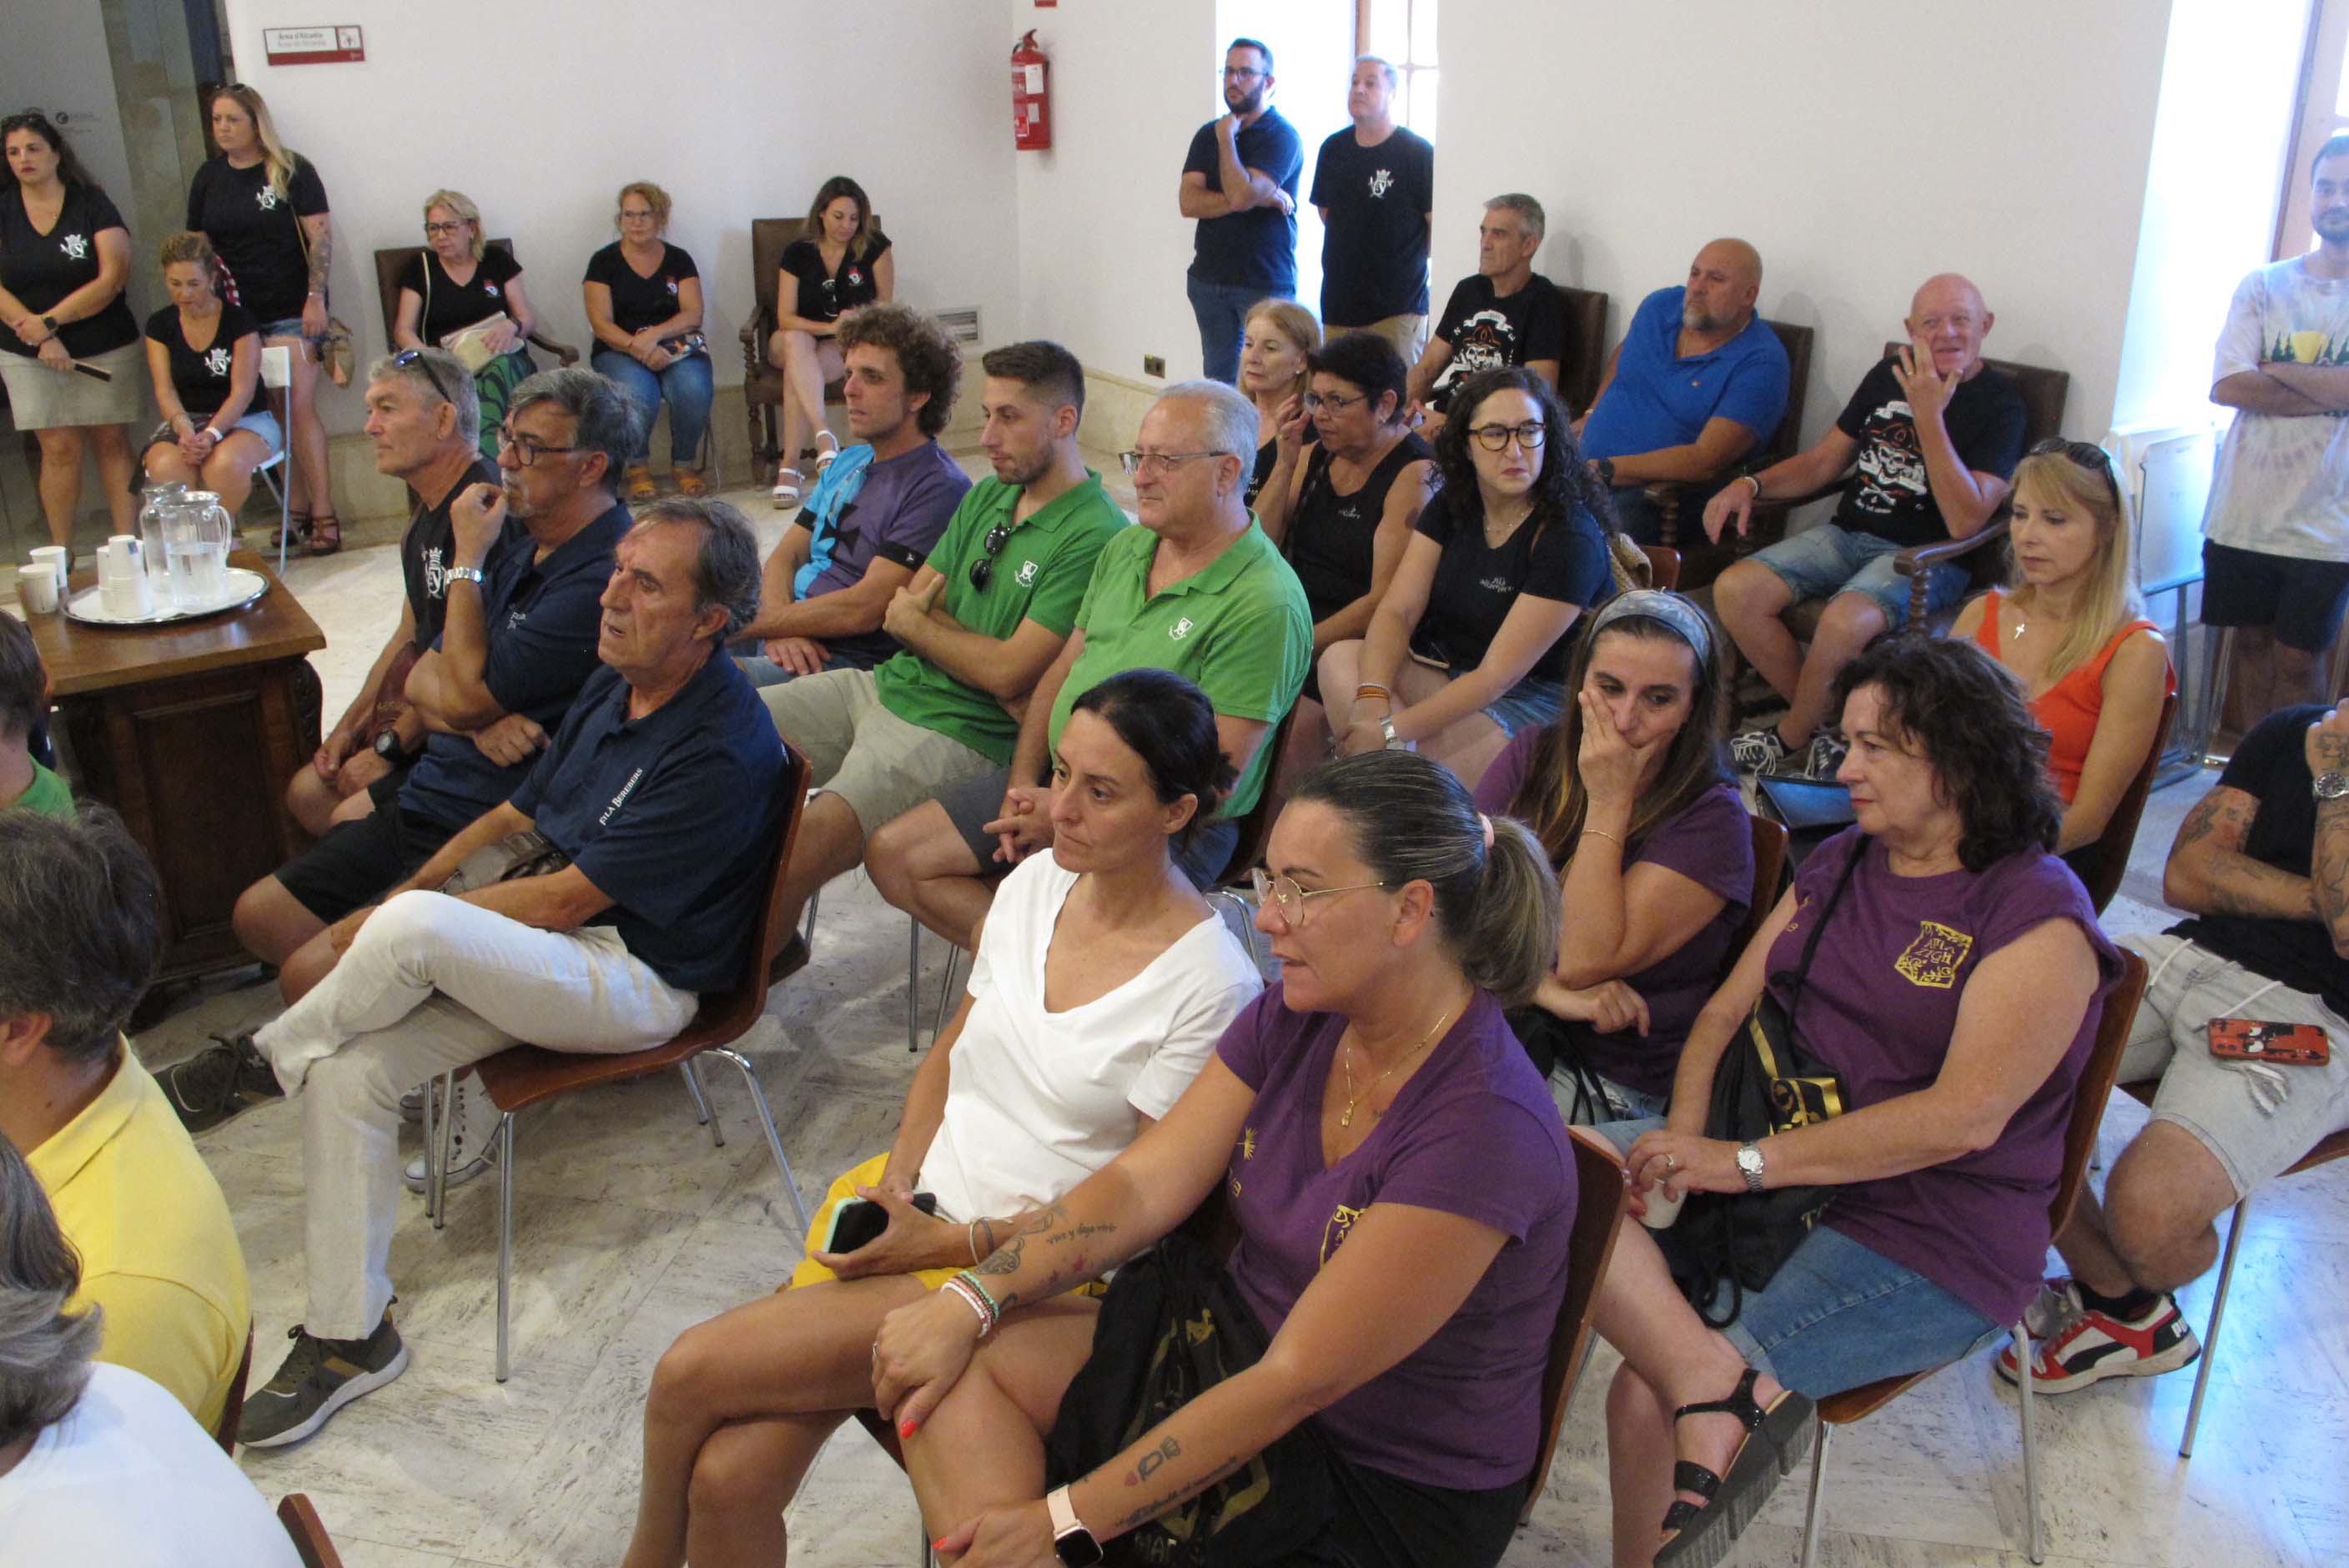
{"points": [[325, 533], [690, 481], [295, 530], [788, 481], [639, 481], [827, 448], [1698, 1535]]}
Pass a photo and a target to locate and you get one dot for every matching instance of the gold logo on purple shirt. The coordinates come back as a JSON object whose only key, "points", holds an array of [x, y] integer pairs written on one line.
{"points": [[1934, 958], [1340, 1226]]}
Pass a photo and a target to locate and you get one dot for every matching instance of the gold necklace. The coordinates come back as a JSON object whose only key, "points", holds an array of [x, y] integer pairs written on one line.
{"points": [[1345, 1060]]}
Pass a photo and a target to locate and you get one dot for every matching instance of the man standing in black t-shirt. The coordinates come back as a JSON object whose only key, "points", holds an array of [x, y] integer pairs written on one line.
{"points": [[1929, 441], [2262, 866], [1504, 314], [1240, 182], [1374, 185]]}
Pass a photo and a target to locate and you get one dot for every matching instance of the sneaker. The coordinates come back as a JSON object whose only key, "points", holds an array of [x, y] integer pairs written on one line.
{"points": [[1820, 759], [2051, 1312], [472, 1138], [411, 1105], [2091, 1345], [1758, 750], [317, 1378], [225, 1077]]}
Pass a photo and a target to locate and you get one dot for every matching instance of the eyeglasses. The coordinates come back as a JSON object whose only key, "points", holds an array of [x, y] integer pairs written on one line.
{"points": [[434, 231], [1241, 73], [1493, 437], [408, 357], [529, 448], [1336, 402], [1135, 462], [1283, 894], [2086, 454], [983, 568]]}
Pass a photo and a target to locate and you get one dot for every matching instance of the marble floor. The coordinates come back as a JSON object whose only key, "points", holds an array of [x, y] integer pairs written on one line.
{"points": [[631, 1227]]}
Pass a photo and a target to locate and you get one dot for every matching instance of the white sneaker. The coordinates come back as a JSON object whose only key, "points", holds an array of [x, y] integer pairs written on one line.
{"points": [[411, 1105], [472, 1138]]}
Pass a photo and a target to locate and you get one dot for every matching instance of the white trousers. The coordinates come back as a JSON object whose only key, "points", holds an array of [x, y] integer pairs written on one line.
{"points": [[429, 985]]}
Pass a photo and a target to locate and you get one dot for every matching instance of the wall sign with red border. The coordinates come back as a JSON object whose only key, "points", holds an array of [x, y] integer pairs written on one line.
{"points": [[313, 46]]}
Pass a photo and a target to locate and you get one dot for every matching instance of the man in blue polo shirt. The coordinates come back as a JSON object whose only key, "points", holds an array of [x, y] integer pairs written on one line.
{"points": [[1240, 181], [661, 789], [1698, 381]]}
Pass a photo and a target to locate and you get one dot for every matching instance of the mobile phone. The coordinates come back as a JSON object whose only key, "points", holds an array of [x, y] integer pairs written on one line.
{"points": [[2252, 1040], [861, 1219]]}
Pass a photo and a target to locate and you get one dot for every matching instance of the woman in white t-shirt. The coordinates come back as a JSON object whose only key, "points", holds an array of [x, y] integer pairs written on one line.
{"points": [[1102, 983]]}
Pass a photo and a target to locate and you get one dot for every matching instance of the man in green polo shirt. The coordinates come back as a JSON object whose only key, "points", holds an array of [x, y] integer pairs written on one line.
{"points": [[984, 617], [24, 702], [1198, 590]]}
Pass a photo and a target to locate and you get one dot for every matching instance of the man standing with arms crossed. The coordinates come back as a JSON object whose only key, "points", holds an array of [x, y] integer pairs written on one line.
{"points": [[1240, 183]]}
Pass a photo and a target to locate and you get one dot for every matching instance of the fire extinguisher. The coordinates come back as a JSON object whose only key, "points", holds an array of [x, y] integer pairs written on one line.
{"points": [[1032, 106]]}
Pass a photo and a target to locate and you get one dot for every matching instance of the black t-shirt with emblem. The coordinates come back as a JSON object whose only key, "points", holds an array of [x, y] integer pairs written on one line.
{"points": [[202, 375], [1488, 332], [429, 549], [40, 269], [1374, 239], [1478, 583], [448, 307], [638, 300], [1888, 496], [825, 292], [254, 230]]}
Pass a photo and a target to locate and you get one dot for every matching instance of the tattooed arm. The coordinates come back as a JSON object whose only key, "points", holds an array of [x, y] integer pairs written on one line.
{"points": [[318, 228], [2209, 874], [2328, 752]]}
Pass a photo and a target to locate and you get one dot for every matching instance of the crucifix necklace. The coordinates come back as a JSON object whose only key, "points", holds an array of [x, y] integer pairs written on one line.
{"points": [[1346, 1060]]}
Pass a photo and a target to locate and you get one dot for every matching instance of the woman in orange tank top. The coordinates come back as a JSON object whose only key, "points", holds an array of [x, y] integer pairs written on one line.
{"points": [[2066, 624]]}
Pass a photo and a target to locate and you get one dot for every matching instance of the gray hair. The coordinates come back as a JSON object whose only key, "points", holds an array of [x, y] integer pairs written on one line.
{"points": [[1230, 418], [726, 570], [1528, 211], [1386, 69], [45, 1352], [453, 385], [603, 420], [80, 925]]}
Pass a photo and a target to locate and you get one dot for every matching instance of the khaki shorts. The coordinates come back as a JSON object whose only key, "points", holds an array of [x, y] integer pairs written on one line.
{"points": [[857, 748], [1407, 332]]}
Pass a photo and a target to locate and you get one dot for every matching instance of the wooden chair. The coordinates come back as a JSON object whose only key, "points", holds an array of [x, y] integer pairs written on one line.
{"points": [[1585, 359], [2088, 1097], [2332, 1147], [522, 1076], [233, 1412], [1602, 1196], [1679, 507], [1663, 566], [1769, 869], [2101, 865], [390, 263], [763, 384], [307, 1531]]}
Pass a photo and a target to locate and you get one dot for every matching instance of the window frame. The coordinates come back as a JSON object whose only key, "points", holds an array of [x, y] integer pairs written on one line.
{"points": [[1408, 69], [2316, 116]]}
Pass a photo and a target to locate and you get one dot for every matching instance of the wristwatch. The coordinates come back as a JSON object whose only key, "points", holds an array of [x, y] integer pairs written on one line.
{"points": [[1749, 1164], [388, 746], [472, 574], [1072, 1543], [1394, 741], [49, 321], [1606, 470], [2330, 786]]}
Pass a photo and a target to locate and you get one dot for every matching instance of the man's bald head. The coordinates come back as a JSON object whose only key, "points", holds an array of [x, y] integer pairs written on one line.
{"points": [[1724, 281], [1951, 317]]}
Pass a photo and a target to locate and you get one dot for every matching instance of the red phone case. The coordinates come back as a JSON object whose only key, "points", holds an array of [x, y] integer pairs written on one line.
{"points": [[2288, 1044]]}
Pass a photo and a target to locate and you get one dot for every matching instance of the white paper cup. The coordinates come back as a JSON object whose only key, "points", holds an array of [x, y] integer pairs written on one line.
{"points": [[37, 588], [57, 559], [1661, 1211]]}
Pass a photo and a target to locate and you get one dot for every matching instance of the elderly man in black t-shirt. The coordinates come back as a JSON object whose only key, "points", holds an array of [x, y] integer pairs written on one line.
{"points": [[2262, 866], [1503, 313], [1930, 438]]}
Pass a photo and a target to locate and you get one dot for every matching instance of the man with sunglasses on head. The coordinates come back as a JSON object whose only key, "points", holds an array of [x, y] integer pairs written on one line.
{"points": [[1240, 182], [517, 642], [977, 622]]}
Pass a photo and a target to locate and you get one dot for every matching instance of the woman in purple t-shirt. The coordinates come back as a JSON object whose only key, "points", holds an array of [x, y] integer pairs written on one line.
{"points": [[1403, 1191], [1629, 793], [1957, 995]]}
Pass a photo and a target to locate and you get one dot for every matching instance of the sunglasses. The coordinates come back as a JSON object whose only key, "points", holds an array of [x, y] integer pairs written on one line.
{"points": [[2086, 455], [983, 569], [408, 357]]}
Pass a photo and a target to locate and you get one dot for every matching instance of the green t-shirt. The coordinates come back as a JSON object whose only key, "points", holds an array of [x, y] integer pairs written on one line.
{"points": [[1238, 630], [47, 794], [1040, 574]]}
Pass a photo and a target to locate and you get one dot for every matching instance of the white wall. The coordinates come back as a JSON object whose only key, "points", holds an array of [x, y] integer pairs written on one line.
{"points": [[1862, 147], [738, 109], [56, 59]]}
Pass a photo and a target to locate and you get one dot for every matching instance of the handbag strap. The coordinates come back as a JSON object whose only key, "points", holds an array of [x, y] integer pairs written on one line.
{"points": [[1794, 979]]}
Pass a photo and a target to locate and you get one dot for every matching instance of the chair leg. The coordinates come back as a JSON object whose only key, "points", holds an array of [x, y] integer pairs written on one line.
{"points": [[505, 1237], [2036, 1536], [701, 1106], [766, 1123], [947, 990], [1818, 1490], [2211, 1334], [807, 925], [2219, 650], [913, 985], [431, 1151], [436, 1176]]}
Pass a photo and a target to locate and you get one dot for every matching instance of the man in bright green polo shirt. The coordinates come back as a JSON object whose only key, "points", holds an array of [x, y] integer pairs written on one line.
{"points": [[984, 617], [1198, 590], [24, 699]]}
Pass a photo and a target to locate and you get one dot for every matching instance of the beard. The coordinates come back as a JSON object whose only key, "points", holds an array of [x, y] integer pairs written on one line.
{"points": [[1696, 318], [1025, 471], [1248, 102]]}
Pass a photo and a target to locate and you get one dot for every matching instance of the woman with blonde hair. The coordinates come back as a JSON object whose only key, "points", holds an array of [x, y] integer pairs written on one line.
{"points": [[842, 265], [203, 355], [644, 305], [2067, 626], [460, 295], [265, 211], [1274, 341]]}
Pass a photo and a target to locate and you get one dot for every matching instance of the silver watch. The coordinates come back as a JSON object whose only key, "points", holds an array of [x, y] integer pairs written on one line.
{"points": [[1749, 1164], [1386, 728], [2331, 786]]}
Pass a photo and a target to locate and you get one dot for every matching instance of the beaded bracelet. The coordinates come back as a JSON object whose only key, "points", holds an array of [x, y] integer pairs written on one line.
{"points": [[971, 1297]]}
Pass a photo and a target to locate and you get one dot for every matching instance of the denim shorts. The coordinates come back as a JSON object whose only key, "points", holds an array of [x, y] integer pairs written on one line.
{"points": [[1529, 705], [1837, 1315], [1822, 561], [289, 327]]}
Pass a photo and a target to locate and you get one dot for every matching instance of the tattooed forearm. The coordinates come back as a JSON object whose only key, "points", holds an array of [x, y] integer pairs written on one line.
{"points": [[1150, 1462], [1156, 1506], [2329, 870], [321, 253]]}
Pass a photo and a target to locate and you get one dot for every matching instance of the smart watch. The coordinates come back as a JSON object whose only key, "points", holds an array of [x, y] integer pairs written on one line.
{"points": [[49, 321], [1605, 470], [1749, 1164], [2330, 786], [1072, 1543]]}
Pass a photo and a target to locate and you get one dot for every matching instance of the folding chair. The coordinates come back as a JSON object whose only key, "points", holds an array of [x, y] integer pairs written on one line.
{"points": [[307, 1531], [277, 375]]}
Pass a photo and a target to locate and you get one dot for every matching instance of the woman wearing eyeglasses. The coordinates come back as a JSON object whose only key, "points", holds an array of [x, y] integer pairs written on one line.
{"points": [[1468, 645], [2067, 625], [462, 295], [1102, 985], [643, 306]]}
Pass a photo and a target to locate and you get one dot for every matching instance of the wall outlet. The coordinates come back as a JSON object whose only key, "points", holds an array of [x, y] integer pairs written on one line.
{"points": [[1153, 365]]}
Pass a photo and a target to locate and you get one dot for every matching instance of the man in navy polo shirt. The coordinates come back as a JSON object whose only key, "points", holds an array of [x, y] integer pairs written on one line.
{"points": [[1240, 181], [1698, 381], [661, 787]]}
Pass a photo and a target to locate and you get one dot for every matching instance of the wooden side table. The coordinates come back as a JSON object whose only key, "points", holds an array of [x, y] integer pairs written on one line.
{"points": [[191, 731]]}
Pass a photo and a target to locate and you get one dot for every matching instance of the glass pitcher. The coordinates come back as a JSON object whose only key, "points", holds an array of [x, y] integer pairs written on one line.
{"points": [[157, 502], [195, 543]]}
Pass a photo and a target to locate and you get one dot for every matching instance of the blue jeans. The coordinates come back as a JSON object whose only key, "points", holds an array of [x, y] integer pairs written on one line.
{"points": [[764, 672], [1222, 310], [1820, 562], [687, 386]]}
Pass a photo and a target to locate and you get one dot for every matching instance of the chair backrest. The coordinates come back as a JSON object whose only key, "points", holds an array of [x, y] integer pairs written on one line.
{"points": [[1602, 1195], [1585, 359], [277, 367], [769, 237], [233, 1412], [1787, 438], [1769, 865], [736, 1009], [2101, 864], [390, 265], [2044, 392], [1256, 826], [1663, 566], [307, 1531], [2095, 1087]]}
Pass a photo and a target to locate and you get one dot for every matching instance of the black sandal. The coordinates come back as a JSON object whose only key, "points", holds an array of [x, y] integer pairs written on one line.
{"points": [[325, 533], [1700, 1535]]}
